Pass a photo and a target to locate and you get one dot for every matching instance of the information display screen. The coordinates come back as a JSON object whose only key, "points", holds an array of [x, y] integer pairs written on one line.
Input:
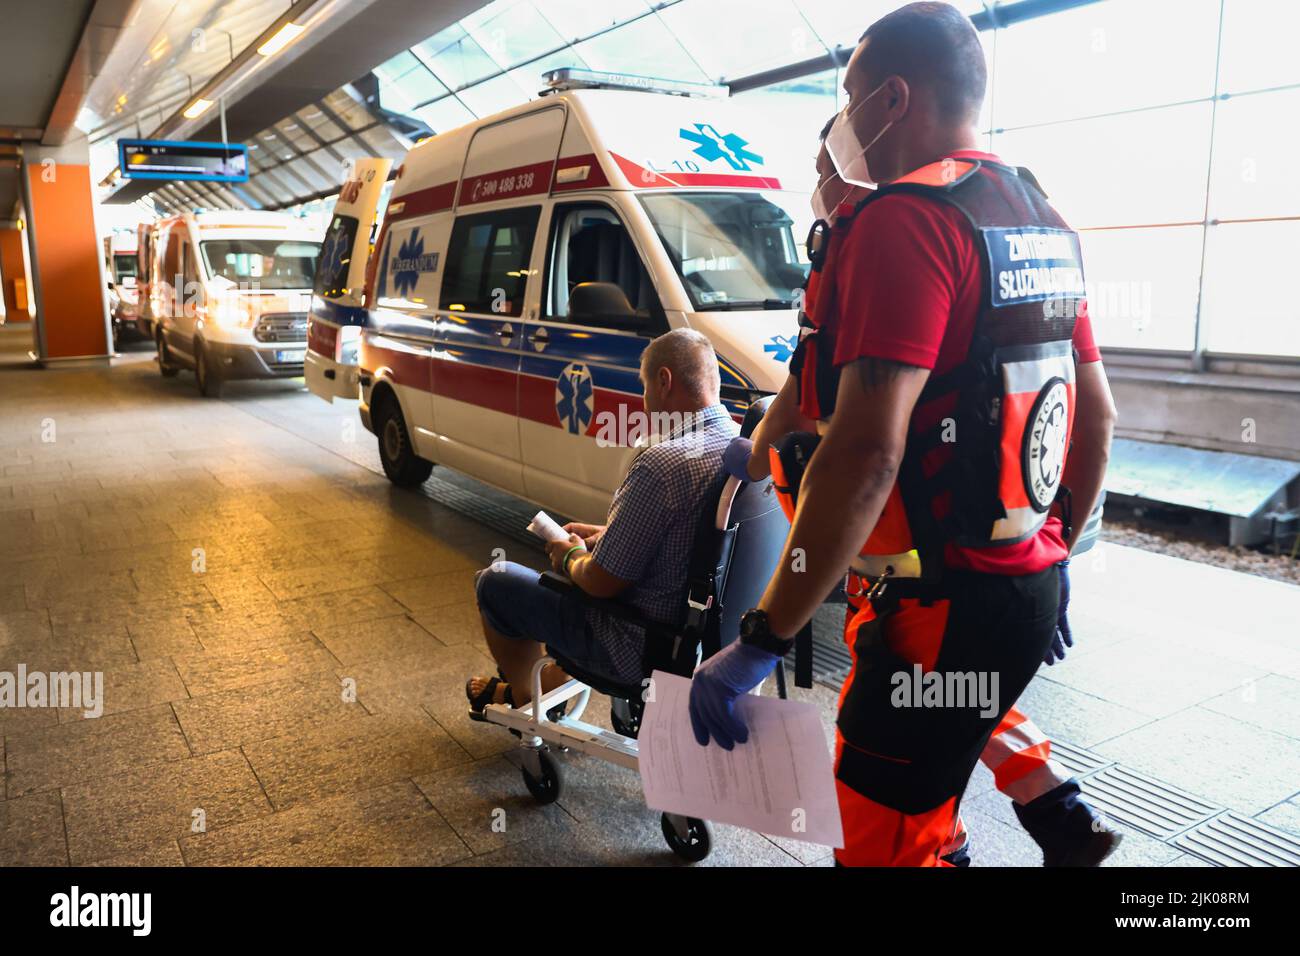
{"points": [[163, 159]]}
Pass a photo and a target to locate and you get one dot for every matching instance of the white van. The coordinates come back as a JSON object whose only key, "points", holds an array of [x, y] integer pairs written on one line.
{"points": [[229, 295], [524, 262]]}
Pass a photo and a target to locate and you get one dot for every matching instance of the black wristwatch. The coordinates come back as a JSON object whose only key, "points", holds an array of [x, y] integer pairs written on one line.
{"points": [[756, 631]]}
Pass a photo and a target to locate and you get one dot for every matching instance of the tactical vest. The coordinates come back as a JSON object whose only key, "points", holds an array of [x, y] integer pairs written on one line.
{"points": [[1014, 392]]}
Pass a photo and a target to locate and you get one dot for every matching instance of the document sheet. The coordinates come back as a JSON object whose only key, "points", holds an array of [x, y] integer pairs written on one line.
{"points": [[780, 782]]}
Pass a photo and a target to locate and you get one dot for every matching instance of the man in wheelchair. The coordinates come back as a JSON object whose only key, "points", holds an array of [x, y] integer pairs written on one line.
{"points": [[641, 554]]}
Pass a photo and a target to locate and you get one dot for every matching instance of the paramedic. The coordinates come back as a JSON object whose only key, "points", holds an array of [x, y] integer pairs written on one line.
{"points": [[965, 509], [642, 552], [1047, 800]]}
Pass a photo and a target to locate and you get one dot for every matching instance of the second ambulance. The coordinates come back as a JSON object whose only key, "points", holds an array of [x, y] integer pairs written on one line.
{"points": [[525, 261]]}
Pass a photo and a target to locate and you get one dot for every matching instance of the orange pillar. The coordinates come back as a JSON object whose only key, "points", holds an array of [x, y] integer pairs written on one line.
{"points": [[71, 307], [13, 275]]}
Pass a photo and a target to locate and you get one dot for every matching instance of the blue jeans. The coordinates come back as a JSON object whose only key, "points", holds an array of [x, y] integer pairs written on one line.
{"points": [[516, 606]]}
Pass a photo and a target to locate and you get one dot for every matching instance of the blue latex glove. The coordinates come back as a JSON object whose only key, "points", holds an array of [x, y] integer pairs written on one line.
{"points": [[1063, 638], [734, 670], [735, 458]]}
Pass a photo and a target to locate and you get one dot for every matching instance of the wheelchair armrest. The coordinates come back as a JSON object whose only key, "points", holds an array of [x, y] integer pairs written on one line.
{"points": [[563, 585]]}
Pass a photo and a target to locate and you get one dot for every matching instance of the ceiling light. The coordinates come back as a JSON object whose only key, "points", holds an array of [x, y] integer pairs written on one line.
{"points": [[197, 108], [281, 39]]}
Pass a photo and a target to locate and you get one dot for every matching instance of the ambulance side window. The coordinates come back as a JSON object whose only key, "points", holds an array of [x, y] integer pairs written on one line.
{"points": [[590, 244], [487, 262]]}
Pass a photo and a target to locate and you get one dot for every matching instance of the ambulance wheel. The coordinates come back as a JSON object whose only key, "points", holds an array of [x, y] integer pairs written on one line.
{"points": [[402, 466], [165, 365], [209, 381], [545, 789], [697, 843]]}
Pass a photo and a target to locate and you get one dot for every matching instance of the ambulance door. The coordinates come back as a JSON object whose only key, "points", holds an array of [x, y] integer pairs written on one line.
{"points": [[486, 288], [399, 341], [333, 327], [579, 384]]}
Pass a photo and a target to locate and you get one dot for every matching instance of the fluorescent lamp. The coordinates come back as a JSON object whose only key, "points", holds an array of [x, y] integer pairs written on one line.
{"points": [[282, 38], [197, 108]]}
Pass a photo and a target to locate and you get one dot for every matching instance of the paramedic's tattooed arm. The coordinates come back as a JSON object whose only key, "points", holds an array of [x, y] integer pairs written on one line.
{"points": [[845, 487]]}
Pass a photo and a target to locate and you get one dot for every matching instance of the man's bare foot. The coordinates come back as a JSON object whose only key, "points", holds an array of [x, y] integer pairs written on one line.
{"points": [[499, 692]]}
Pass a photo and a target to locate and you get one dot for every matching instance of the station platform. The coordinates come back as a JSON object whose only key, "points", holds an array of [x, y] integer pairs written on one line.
{"points": [[236, 567]]}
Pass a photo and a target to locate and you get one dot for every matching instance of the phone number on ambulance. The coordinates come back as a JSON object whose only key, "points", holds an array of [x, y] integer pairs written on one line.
{"points": [[486, 188]]}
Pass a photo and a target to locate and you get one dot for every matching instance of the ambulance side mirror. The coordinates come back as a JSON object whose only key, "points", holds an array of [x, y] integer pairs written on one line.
{"points": [[603, 304]]}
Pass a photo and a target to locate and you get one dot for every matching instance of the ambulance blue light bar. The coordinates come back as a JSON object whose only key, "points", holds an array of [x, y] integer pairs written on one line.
{"points": [[171, 159], [573, 78]]}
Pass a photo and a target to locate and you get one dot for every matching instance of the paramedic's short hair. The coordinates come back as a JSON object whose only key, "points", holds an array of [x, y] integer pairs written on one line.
{"points": [[690, 357], [932, 45], [826, 130]]}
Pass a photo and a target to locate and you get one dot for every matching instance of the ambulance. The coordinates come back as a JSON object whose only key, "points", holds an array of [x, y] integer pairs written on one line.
{"points": [[229, 295], [525, 260]]}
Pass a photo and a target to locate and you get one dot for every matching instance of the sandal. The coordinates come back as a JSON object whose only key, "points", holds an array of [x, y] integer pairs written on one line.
{"points": [[484, 697]]}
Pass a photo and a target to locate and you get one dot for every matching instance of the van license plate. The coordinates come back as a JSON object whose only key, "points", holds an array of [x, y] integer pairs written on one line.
{"points": [[288, 356]]}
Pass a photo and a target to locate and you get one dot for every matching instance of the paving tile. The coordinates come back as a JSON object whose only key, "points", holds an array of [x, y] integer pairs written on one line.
{"points": [[1072, 716], [1272, 702], [23, 627], [422, 594], [315, 764], [31, 831], [488, 806], [160, 854], [163, 637], [391, 825], [227, 719], [113, 816], [134, 687], [454, 624], [215, 671], [369, 640], [1284, 816], [344, 607], [1229, 762], [86, 750]]}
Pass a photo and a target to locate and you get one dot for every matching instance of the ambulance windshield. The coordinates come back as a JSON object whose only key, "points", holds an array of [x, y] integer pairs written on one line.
{"points": [[735, 250], [262, 264]]}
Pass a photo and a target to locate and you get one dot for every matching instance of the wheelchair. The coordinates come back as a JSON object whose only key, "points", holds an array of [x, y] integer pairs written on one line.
{"points": [[737, 544]]}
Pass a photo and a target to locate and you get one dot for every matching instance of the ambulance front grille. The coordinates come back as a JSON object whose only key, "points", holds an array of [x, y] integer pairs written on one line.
{"points": [[281, 327], [1231, 839]]}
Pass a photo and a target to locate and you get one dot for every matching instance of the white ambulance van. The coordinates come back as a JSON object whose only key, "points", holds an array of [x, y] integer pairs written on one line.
{"points": [[524, 262], [230, 293]]}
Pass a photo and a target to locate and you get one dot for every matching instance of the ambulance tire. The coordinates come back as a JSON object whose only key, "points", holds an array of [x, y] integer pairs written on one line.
{"points": [[401, 464], [165, 365], [206, 377]]}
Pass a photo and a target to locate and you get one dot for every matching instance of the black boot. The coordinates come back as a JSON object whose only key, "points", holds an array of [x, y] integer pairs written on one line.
{"points": [[1069, 832]]}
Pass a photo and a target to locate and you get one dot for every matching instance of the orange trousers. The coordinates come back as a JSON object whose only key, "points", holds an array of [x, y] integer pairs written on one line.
{"points": [[1017, 752]]}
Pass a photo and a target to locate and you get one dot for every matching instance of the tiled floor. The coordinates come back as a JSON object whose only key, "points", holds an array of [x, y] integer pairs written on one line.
{"points": [[284, 639]]}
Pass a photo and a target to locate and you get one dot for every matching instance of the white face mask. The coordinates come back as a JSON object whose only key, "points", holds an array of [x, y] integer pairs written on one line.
{"points": [[822, 207], [847, 152]]}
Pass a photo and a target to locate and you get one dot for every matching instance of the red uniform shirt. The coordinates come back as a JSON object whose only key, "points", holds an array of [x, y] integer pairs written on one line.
{"points": [[909, 286]]}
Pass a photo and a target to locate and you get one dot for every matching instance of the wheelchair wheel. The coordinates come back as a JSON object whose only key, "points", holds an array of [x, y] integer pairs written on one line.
{"points": [[545, 789], [697, 843]]}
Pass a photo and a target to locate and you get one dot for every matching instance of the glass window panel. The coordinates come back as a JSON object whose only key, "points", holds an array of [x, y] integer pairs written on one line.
{"points": [[383, 143], [348, 111], [1249, 303], [837, 23], [444, 114], [760, 34], [516, 34], [575, 19], [645, 48], [1134, 169], [1254, 157], [336, 169], [320, 124], [1143, 285], [455, 58], [1104, 57], [405, 82], [494, 95], [1259, 45], [800, 108], [290, 130]]}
